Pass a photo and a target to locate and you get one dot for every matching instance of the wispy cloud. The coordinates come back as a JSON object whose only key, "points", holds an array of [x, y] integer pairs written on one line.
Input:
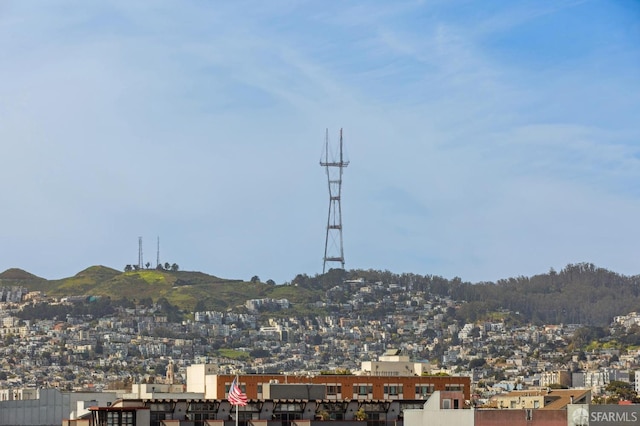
{"points": [[473, 151]]}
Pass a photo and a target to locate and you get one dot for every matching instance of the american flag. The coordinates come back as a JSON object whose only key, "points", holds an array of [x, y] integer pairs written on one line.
{"points": [[236, 396]]}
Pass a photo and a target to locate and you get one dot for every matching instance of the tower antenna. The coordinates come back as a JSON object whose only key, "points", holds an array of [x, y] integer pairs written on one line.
{"points": [[158, 254], [333, 249], [140, 263]]}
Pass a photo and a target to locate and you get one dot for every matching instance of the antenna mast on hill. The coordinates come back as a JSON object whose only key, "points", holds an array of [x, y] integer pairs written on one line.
{"points": [[158, 254], [333, 252], [140, 253]]}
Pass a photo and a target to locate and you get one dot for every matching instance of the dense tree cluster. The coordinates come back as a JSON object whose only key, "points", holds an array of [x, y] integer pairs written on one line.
{"points": [[578, 294], [94, 308]]}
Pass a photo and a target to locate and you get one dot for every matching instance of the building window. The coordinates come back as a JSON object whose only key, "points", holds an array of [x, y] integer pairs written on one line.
{"points": [[446, 404], [198, 412], [159, 412], [286, 419], [116, 418], [127, 419], [333, 390], [156, 418], [424, 390], [289, 407], [362, 390], [453, 387], [335, 410], [393, 390], [244, 417]]}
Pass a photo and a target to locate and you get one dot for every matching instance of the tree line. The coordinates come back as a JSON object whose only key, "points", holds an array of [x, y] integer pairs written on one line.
{"points": [[578, 294], [173, 267]]}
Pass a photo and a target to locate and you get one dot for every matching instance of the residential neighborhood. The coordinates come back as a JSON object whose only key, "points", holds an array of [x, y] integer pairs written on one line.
{"points": [[137, 344]]}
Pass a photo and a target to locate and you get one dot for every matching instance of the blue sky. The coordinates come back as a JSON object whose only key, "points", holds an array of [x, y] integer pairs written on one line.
{"points": [[486, 139]]}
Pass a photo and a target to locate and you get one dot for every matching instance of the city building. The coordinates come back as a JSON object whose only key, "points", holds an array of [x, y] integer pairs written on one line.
{"points": [[543, 399]]}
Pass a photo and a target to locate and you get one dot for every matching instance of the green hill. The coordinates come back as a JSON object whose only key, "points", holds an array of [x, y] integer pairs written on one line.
{"points": [[580, 293], [185, 289], [15, 274]]}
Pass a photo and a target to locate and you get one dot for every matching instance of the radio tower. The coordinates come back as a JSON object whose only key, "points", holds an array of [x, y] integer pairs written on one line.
{"points": [[140, 264], [333, 250]]}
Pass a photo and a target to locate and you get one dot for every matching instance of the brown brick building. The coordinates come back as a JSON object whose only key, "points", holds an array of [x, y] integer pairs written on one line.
{"points": [[351, 387]]}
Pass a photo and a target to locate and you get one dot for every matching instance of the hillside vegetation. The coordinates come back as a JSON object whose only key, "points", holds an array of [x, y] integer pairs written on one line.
{"points": [[185, 289], [580, 293]]}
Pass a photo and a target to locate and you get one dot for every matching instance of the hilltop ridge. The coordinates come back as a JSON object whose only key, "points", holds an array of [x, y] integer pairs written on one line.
{"points": [[580, 293], [18, 274]]}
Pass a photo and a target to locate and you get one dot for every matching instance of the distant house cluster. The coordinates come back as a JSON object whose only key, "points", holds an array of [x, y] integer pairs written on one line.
{"points": [[13, 294], [267, 304]]}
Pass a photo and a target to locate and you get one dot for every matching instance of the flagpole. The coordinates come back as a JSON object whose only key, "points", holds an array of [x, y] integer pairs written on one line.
{"points": [[237, 397]]}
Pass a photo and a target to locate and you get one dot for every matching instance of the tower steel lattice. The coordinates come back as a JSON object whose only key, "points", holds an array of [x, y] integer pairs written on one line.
{"points": [[333, 248]]}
